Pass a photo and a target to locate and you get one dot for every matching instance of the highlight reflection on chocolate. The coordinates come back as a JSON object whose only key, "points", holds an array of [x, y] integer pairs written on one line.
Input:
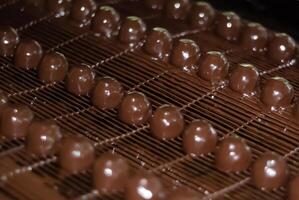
{"points": [[3, 102], [82, 10], [9, 39], [228, 25], [177, 9], [293, 192], [132, 30], [154, 4], [254, 37], [60, 7], [202, 15]]}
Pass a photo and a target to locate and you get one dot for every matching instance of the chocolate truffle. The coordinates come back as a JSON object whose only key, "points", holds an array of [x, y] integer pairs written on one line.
{"points": [[281, 48], [107, 93], [3, 101], [213, 67], [185, 55], [254, 37], [183, 194], [28, 54], [43, 137], [53, 67], [76, 153], [167, 122], [82, 10], [144, 186], [232, 155], [293, 189], [177, 9], [244, 79], [269, 172], [80, 80], [59, 7], [199, 138], [228, 26], [154, 4], [277, 93], [9, 38], [106, 21], [135, 109], [110, 173], [202, 15], [15, 121], [158, 43], [132, 30]]}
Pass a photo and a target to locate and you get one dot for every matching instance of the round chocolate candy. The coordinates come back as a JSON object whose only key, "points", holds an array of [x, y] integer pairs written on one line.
{"points": [[154, 4], [9, 39], [254, 37], [269, 172], [167, 122], [80, 80], [199, 138], [244, 79], [281, 48], [158, 43], [293, 191], [183, 194], [3, 102], [202, 15], [43, 137], [177, 9], [277, 93], [185, 55], [28, 54], [110, 173], [132, 30], [53, 67], [76, 154], [59, 7], [213, 67], [107, 93], [106, 21], [82, 10], [228, 26], [232, 155], [135, 109], [15, 121]]}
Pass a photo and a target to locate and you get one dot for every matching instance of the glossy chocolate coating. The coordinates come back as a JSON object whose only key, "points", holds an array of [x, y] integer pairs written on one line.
{"points": [[244, 79], [9, 39], [28, 54], [167, 122], [213, 67], [254, 37], [183, 194], [80, 80], [281, 48], [82, 10], [3, 101], [15, 121], [158, 43], [202, 15], [228, 26], [107, 93], [185, 55], [293, 189], [60, 7], [199, 138], [76, 153], [132, 30], [277, 93], [177, 9], [232, 155], [43, 137], [110, 173], [106, 21], [135, 109], [154, 4], [53, 67], [269, 172]]}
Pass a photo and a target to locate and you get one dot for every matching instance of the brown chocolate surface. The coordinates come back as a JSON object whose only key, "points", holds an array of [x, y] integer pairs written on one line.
{"points": [[9, 38]]}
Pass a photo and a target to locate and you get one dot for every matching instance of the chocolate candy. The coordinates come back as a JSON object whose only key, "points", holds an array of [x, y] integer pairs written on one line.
{"points": [[28, 54], [232, 155], [183, 194], [185, 55], [76, 154], [43, 138], [254, 37], [154, 4], [15, 121], [135, 109], [105, 22], [202, 15], [177, 9], [293, 192], [3, 101], [295, 110], [80, 80], [59, 7], [53, 67], [110, 173], [9, 38], [107, 93], [244, 79], [269, 172], [132, 30], [213, 67], [199, 138], [82, 10], [277, 93], [228, 26], [158, 43], [167, 122], [281, 48]]}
